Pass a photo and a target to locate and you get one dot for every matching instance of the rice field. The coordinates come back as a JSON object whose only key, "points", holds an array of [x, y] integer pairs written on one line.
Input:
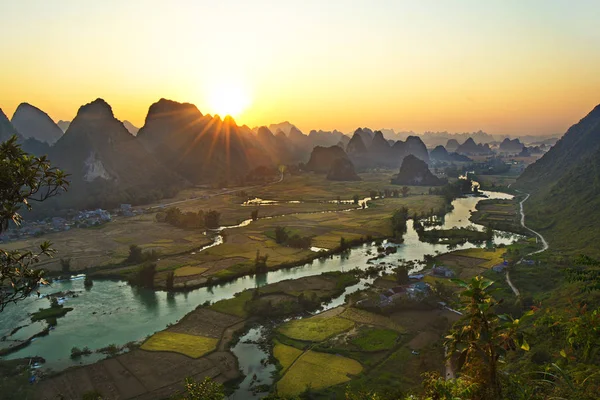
{"points": [[315, 329], [493, 257], [286, 355], [189, 345], [317, 370]]}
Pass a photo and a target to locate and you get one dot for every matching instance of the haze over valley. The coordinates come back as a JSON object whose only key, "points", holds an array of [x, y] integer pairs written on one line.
{"points": [[392, 201]]}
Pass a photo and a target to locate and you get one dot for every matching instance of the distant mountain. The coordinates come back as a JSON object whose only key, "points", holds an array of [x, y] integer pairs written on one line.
{"points": [[380, 150], [7, 130], [432, 139], [415, 172], [511, 146], [63, 125], [131, 128], [107, 165], [452, 145], [565, 189], [342, 170], [285, 127], [31, 122], [441, 154], [322, 159], [416, 147], [199, 147], [469, 147], [356, 146], [366, 135]]}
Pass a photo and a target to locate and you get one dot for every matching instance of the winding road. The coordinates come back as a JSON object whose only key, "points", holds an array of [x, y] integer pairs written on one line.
{"points": [[538, 236]]}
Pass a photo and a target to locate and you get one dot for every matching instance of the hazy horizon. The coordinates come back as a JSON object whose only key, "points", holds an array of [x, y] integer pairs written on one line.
{"points": [[500, 67]]}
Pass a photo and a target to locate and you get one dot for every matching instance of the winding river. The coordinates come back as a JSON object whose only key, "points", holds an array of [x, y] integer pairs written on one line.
{"points": [[112, 312]]}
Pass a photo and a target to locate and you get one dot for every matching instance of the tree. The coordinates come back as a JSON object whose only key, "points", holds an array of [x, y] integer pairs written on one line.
{"points": [[212, 219], [355, 199], [281, 235], [254, 215], [481, 337], [135, 254], [402, 274], [205, 390], [405, 191], [65, 265], [24, 179], [170, 280]]}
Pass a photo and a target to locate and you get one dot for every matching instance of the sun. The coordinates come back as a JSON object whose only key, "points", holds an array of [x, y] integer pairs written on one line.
{"points": [[228, 98]]}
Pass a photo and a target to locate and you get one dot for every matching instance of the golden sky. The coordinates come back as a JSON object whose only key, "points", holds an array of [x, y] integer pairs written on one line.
{"points": [[503, 66]]}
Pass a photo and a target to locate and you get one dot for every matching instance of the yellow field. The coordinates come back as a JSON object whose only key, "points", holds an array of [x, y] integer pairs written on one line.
{"points": [[494, 257], [189, 270], [286, 355], [315, 329], [365, 317], [189, 345], [317, 370]]}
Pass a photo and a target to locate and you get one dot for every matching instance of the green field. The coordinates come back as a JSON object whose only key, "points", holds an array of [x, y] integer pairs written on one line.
{"points": [[375, 339], [315, 329], [189, 345]]}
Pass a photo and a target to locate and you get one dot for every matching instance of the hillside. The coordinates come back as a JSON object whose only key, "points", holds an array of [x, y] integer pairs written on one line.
{"points": [[31, 122], [6, 128], [565, 189], [322, 159], [414, 171], [107, 165]]}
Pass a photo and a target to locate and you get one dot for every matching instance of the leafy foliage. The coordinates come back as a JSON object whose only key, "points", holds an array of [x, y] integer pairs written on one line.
{"points": [[23, 179]]}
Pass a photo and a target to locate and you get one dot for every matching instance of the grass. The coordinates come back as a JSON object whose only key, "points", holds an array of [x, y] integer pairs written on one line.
{"points": [[189, 271], [493, 257], [315, 329], [235, 305], [285, 355], [375, 339], [317, 371], [50, 313], [188, 345]]}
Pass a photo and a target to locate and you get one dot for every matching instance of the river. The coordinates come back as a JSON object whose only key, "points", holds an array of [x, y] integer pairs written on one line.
{"points": [[112, 312]]}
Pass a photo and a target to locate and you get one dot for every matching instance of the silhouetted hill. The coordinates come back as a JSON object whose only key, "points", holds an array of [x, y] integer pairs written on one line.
{"points": [[107, 164], [452, 145], [7, 130], [416, 147], [441, 154], [380, 150], [31, 122], [131, 128], [469, 147], [200, 147], [322, 159], [342, 170], [366, 135], [511, 146], [565, 189], [356, 147], [63, 125], [415, 172]]}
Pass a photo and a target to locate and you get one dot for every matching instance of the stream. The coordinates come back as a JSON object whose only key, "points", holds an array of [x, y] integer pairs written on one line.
{"points": [[113, 312]]}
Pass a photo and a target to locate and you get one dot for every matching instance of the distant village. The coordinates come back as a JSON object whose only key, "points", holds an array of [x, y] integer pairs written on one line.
{"points": [[79, 219]]}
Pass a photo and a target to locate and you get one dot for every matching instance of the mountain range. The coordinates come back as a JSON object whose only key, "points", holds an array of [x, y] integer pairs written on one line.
{"points": [[565, 189]]}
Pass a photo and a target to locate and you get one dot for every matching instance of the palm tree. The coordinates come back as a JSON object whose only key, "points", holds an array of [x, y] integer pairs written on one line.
{"points": [[481, 337]]}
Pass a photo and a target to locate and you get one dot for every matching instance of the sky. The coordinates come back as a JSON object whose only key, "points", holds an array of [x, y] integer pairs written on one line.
{"points": [[502, 66]]}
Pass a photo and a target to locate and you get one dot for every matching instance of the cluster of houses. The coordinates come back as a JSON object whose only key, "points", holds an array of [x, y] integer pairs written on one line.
{"points": [[81, 219]]}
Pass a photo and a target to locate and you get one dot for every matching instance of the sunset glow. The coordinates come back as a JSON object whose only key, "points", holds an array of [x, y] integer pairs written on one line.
{"points": [[228, 98], [500, 66]]}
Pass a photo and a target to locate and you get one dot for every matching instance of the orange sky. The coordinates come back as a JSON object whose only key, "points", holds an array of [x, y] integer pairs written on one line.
{"points": [[503, 66]]}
